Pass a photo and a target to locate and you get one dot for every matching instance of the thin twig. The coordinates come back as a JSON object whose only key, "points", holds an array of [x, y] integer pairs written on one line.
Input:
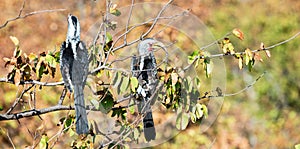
{"points": [[28, 14], [236, 93], [158, 17], [215, 42], [128, 21], [105, 19], [113, 48], [255, 51], [167, 25], [34, 82], [18, 99], [241, 53], [247, 87], [10, 140], [59, 133]]}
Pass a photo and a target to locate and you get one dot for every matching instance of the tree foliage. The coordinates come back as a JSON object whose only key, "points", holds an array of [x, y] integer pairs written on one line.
{"points": [[114, 88]]}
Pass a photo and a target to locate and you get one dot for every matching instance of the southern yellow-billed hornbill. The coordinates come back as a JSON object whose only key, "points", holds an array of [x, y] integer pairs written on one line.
{"points": [[143, 67]]}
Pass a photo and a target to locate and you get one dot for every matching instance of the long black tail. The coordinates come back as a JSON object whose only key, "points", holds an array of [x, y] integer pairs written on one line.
{"points": [[149, 129], [82, 126]]}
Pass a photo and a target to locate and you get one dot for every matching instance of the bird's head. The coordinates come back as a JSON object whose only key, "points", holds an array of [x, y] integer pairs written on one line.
{"points": [[73, 29], [148, 45]]}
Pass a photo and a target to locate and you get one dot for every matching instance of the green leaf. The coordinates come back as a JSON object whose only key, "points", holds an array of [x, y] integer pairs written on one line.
{"points": [[116, 79], [197, 82], [50, 60], [124, 84], [108, 37], [114, 11], [136, 133], [205, 111], [186, 84], [95, 103], [40, 67], [72, 132], [193, 117], [192, 57], [68, 123], [134, 83], [297, 146], [182, 120], [40, 70], [198, 112], [107, 103], [208, 66], [44, 142], [131, 108], [250, 65]]}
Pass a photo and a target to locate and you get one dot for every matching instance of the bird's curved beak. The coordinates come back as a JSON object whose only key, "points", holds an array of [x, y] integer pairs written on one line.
{"points": [[158, 45]]}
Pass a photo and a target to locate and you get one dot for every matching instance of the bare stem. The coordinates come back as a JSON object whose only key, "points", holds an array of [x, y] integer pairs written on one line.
{"points": [[20, 16]]}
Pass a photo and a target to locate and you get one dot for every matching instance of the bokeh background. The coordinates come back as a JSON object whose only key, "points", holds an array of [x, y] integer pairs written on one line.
{"points": [[264, 116]]}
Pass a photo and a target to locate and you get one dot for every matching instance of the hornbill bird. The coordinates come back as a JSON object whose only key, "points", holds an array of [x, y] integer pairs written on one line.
{"points": [[143, 67], [74, 70]]}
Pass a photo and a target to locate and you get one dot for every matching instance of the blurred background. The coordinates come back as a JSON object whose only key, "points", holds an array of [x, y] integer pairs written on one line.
{"points": [[264, 116]]}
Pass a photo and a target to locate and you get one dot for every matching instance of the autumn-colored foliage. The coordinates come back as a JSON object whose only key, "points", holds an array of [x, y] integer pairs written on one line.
{"points": [[257, 118]]}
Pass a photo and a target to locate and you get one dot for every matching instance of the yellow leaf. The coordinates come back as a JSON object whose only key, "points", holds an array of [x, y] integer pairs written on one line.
{"points": [[297, 146], [134, 83], [249, 53], [268, 53], [113, 10], [237, 55], [240, 63], [262, 46], [257, 57], [17, 77], [224, 49], [209, 68], [247, 59], [232, 52], [226, 40], [14, 40], [6, 59], [174, 77], [114, 6], [238, 33], [227, 46], [32, 56]]}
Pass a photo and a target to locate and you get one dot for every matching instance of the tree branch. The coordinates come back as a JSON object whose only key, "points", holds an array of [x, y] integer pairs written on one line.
{"points": [[220, 94], [241, 53], [255, 51], [20, 16], [38, 112], [34, 82], [18, 99]]}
